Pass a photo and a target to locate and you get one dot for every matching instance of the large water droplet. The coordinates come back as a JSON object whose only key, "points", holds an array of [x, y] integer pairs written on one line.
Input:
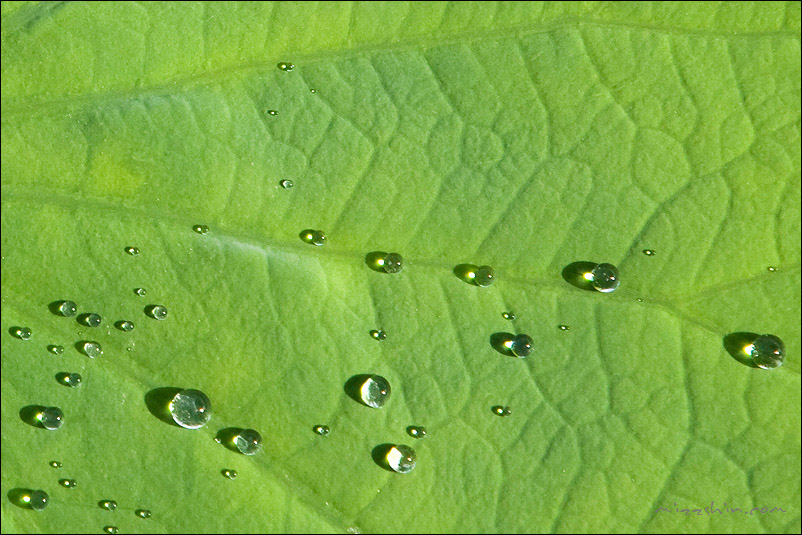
{"points": [[143, 513], [522, 345], [604, 277], [56, 350], [68, 483], [401, 458], [378, 335], [322, 430], [393, 263], [768, 352], [230, 474], [416, 431], [51, 418], [375, 391], [508, 316], [248, 442], [502, 410], [190, 409], [67, 308], [157, 312], [38, 500], [484, 276], [108, 505], [92, 349], [23, 333], [286, 184], [133, 251], [201, 229], [285, 66]]}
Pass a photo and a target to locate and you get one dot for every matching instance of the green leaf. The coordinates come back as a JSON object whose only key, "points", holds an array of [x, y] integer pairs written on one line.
{"points": [[526, 136]]}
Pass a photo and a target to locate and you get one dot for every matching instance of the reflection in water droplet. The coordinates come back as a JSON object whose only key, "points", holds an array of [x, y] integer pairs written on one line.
{"points": [[157, 312], [143, 513], [201, 229], [484, 276], [522, 345], [416, 431], [56, 350], [133, 251], [140, 292], [564, 327], [393, 263], [286, 184], [286, 66], [248, 442], [51, 418], [55, 464], [108, 505], [67, 309], [502, 410], [604, 277], [23, 333], [508, 316], [401, 458], [768, 352], [190, 409], [379, 335], [92, 349], [230, 474], [375, 391], [649, 252], [68, 483], [322, 430], [38, 500]]}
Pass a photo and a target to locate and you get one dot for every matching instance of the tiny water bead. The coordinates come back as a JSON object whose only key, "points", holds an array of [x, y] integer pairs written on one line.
{"points": [[286, 66], [140, 292], [125, 325], [416, 431], [649, 252], [502, 410], [67, 309], [92, 349], [768, 352], [322, 430], [393, 263], [604, 277], [38, 500], [111, 529], [108, 505], [201, 229], [521, 345], [190, 409], [313, 90], [73, 379], [56, 350], [143, 513], [286, 184], [157, 312], [55, 464], [68, 483], [315, 237], [508, 316], [378, 335], [92, 320], [248, 442], [563, 327], [230, 474], [23, 333], [375, 391], [772, 269], [133, 251], [272, 112], [51, 418], [484, 276], [401, 458]]}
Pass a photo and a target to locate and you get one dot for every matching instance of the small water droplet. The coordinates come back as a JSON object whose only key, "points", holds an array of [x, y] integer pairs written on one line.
{"points": [[564, 327], [201, 229], [140, 292], [315, 237], [272, 112], [68, 483], [230, 474], [522, 345], [56, 350], [143, 513], [286, 66], [133, 251], [772, 269], [375, 391], [92, 319], [484, 276], [322, 430], [313, 90], [92, 349], [768, 352], [401, 458], [73, 379], [108, 505], [604, 277], [51, 418], [111, 529], [286, 184], [502, 410], [393, 263], [157, 312], [190, 409], [378, 335], [38, 500], [649, 252], [56, 464], [639, 300], [125, 325], [248, 442], [67, 309], [416, 431], [23, 333], [508, 316]]}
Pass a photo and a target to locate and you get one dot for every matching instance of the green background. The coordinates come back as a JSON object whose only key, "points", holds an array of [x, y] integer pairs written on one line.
{"points": [[526, 136]]}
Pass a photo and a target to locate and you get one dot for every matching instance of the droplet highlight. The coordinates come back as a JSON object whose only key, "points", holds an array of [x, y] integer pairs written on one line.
{"points": [[68, 483], [508, 316], [108, 505], [314, 237], [322, 430], [768, 352], [378, 335], [563, 327], [375, 391], [502, 410], [56, 350], [604, 277], [133, 251], [190, 409], [401, 459], [285, 66], [111, 529], [55, 464], [143, 513], [248, 442], [201, 229], [272, 112], [649, 252], [230, 474], [772, 268], [416, 431]]}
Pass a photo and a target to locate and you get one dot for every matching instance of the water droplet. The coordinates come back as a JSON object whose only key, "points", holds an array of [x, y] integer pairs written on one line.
{"points": [[125, 325], [484, 276], [353, 529], [140, 292], [56, 464], [393, 263], [416, 431], [201, 229], [272, 112], [51, 418], [248, 442], [230, 474], [143, 513], [286, 66], [401, 458], [604, 277], [38, 500], [67, 309], [286, 184], [322, 430], [111, 529], [375, 391], [502, 411], [133, 251], [73, 380], [522, 345], [92, 319], [649, 252], [92, 349], [379, 335], [190, 409], [157, 312], [313, 90], [564, 327], [315, 237], [56, 350], [108, 505], [23, 333], [508, 316], [68, 483], [772, 269], [768, 352]]}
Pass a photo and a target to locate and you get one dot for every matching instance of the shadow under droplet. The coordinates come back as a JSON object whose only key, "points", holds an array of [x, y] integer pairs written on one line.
{"points": [[574, 274], [379, 455], [736, 344], [353, 387], [375, 261], [158, 403], [227, 436], [466, 273], [18, 497], [501, 343], [30, 415]]}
